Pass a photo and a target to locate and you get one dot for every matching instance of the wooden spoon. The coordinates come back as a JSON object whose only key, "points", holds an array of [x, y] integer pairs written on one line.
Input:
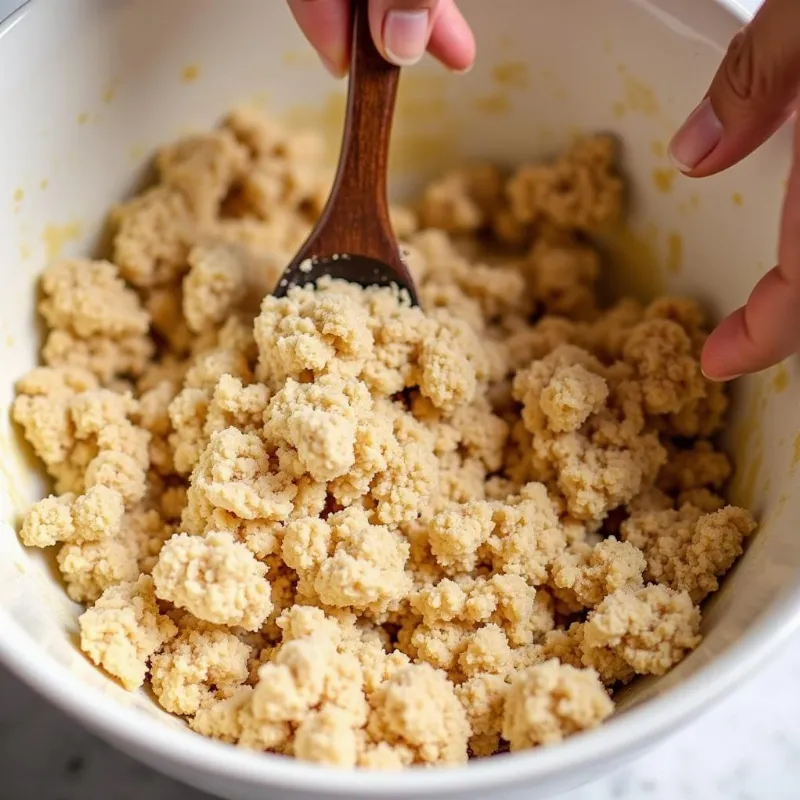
{"points": [[353, 239]]}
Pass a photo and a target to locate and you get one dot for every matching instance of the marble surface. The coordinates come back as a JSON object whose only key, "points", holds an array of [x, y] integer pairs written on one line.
{"points": [[747, 748]]}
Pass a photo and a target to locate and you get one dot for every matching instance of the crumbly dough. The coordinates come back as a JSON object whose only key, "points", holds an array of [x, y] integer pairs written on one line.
{"points": [[338, 527], [215, 578], [549, 701], [124, 629]]}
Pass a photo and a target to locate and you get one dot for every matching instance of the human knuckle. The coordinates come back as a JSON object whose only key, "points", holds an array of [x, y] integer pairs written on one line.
{"points": [[751, 70], [739, 67]]}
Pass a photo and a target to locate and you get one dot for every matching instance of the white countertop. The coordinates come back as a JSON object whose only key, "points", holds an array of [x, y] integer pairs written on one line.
{"points": [[747, 748]]}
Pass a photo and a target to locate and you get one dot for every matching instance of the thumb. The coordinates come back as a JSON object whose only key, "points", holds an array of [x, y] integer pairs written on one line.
{"points": [[751, 96]]}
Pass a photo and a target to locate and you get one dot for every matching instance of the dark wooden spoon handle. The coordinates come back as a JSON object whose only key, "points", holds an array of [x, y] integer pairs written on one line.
{"points": [[355, 219]]}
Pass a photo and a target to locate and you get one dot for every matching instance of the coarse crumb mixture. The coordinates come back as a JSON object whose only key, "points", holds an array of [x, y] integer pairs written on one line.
{"points": [[349, 530]]}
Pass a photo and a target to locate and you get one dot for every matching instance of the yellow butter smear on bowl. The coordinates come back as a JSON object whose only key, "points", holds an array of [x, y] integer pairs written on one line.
{"points": [[338, 527]]}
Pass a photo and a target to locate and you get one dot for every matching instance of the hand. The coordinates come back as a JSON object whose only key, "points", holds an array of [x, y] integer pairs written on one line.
{"points": [[754, 92], [402, 29]]}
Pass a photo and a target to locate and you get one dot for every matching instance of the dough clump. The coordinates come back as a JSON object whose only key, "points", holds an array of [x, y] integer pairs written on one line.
{"points": [[339, 527]]}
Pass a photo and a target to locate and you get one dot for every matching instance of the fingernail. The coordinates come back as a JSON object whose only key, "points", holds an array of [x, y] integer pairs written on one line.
{"points": [[335, 69], [697, 137], [405, 36], [721, 378], [465, 70]]}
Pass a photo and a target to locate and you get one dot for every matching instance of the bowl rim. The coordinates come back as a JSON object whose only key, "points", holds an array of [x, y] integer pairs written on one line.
{"points": [[159, 743]]}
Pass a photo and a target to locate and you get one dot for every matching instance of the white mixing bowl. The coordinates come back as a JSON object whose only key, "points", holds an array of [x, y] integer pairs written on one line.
{"points": [[88, 87]]}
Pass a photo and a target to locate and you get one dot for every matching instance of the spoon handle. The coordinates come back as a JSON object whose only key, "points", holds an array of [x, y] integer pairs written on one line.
{"points": [[372, 93], [355, 219]]}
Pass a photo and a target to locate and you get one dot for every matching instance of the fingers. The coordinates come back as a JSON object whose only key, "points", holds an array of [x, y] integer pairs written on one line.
{"points": [[452, 41], [767, 329], [750, 96], [402, 29], [756, 336], [326, 25]]}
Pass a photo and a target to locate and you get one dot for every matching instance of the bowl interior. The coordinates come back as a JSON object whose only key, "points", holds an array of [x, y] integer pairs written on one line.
{"points": [[90, 87]]}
